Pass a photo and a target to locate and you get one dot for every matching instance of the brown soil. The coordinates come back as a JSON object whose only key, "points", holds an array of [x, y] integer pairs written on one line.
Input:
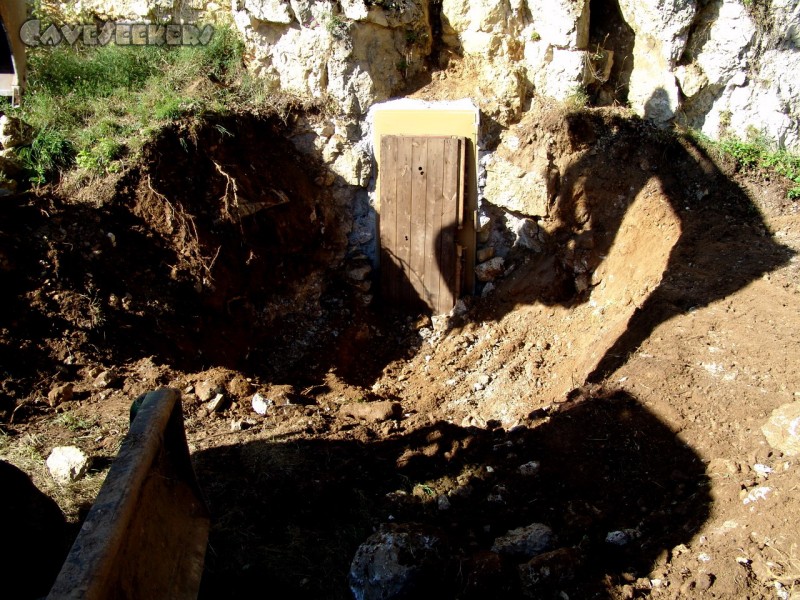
{"points": [[635, 359]]}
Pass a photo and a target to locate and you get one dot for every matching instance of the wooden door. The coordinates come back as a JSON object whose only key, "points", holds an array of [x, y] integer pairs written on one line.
{"points": [[421, 210]]}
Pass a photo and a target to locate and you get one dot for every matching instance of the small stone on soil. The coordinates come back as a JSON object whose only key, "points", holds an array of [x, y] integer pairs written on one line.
{"points": [[373, 412], [60, 393], [530, 468], [260, 404], [239, 386], [108, 378], [525, 542], [207, 390], [217, 404], [621, 537], [551, 568], [67, 464], [782, 430], [704, 581]]}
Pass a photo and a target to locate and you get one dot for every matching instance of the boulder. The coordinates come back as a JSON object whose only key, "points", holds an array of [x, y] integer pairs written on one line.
{"points": [[10, 164], [399, 562], [490, 270], [525, 542], [353, 165], [527, 232]]}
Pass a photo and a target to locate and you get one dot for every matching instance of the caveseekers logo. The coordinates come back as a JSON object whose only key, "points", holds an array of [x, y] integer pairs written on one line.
{"points": [[35, 33]]}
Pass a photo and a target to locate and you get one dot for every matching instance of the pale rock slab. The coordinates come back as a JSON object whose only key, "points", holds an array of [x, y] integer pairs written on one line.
{"points": [[561, 23], [67, 464], [662, 30], [517, 189], [270, 11], [782, 430]]}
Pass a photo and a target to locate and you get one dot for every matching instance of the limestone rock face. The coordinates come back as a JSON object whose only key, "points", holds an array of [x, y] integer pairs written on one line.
{"points": [[708, 64], [270, 11], [561, 74], [358, 56], [561, 23], [662, 25], [744, 90], [516, 189]]}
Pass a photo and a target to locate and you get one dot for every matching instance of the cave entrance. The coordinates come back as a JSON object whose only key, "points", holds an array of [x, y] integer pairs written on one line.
{"points": [[426, 201], [609, 33]]}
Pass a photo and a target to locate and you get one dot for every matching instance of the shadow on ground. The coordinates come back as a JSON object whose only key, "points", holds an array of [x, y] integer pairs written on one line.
{"points": [[723, 245], [291, 515]]}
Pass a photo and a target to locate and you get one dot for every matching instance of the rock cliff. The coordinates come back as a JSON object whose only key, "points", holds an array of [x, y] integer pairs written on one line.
{"points": [[720, 66]]}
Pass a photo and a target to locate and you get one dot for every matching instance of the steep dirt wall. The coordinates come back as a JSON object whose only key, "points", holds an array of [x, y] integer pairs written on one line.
{"points": [[216, 249]]}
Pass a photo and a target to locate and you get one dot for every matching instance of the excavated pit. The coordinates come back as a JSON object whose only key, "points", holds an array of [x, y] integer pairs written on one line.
{"points": [[221, 259]]}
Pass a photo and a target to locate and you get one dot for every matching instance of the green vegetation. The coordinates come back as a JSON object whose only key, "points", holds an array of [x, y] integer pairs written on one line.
{"points": [[93, 108], [577, 99], [73, 423], [758, 153], [337, 27]]}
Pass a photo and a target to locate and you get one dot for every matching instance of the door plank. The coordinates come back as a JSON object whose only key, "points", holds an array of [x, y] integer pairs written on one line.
{"points": [[447, 248], [419, 199], [422, 206], [403, 239], [433, 219], [390, 267]]}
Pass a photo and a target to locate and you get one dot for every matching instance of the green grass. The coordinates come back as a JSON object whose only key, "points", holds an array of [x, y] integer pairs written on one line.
{"points": [[93, 108], [757, 153], [73, 423]]}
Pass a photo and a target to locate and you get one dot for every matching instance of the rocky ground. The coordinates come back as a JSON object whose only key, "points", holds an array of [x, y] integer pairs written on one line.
{"points": [[593, 426]]}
